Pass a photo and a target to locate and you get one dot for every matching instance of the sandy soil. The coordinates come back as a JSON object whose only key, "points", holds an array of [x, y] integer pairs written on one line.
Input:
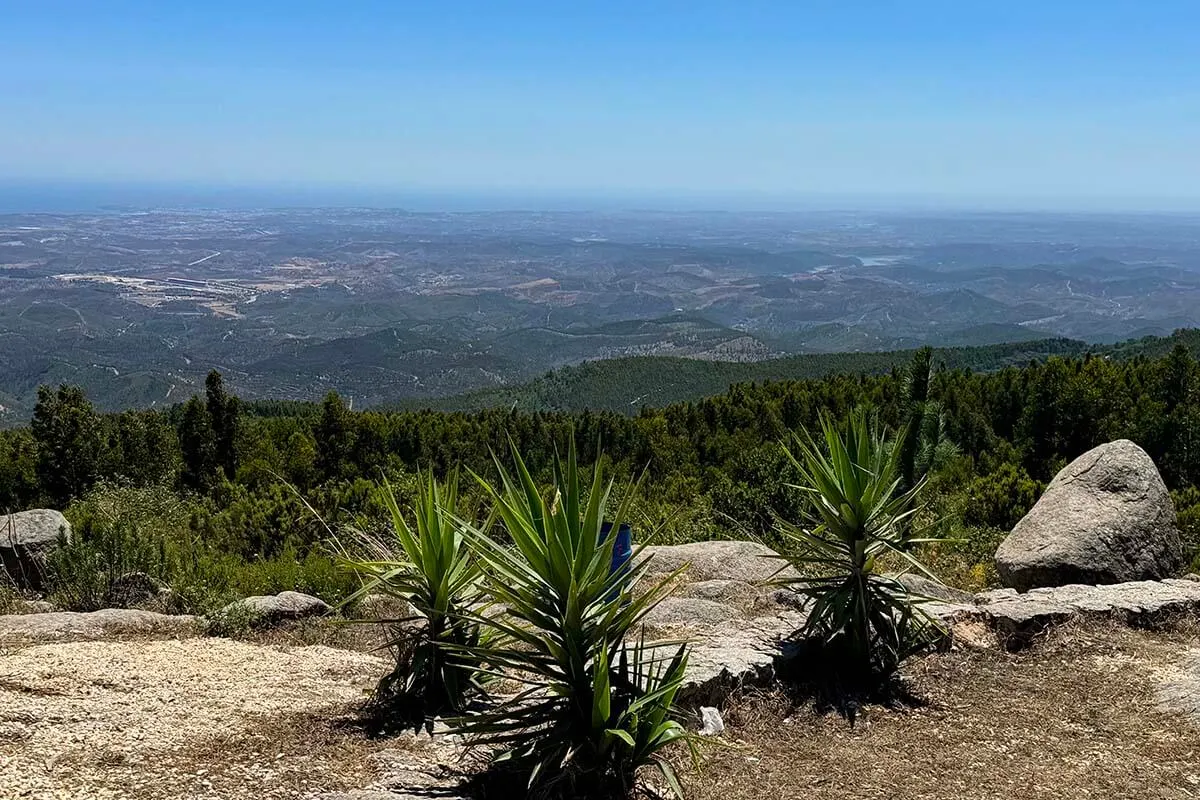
{"points": [[197, 718]]}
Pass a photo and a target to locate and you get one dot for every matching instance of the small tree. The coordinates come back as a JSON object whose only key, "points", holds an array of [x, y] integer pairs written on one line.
{"points": [[923, 441], [223, 412], [334, 436], [197, 445], [70, 443]]}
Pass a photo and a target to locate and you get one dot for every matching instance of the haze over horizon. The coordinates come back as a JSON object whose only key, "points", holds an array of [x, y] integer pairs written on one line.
{"points": [[1080, 106]]}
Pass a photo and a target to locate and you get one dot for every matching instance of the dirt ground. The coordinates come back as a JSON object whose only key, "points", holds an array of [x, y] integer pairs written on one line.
{"points": [[195, 718], [1077, 716]]}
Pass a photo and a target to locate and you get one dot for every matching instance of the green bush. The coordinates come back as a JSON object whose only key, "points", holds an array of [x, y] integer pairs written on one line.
{"points": [[9, 597], [596, 707], [121, 530], [232, 621], [118, 531], [1000, 499], [316, 572], [1187, 510], [87, 573], [751, 492]]}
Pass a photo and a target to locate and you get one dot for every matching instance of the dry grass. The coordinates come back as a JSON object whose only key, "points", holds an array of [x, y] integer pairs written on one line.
{"points": [[362, 637], [280, 757], [1075, 717]]}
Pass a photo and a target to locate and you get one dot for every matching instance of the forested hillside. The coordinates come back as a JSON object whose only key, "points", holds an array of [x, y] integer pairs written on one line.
{"points": [[627, 384], [212, 496]]}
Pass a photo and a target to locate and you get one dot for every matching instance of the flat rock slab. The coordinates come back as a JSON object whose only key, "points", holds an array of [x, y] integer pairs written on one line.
{"points": [[743, 651], [734, 655], [109, 623], [689, 612], [1018, 617], [722, 560], [1178, 687]]}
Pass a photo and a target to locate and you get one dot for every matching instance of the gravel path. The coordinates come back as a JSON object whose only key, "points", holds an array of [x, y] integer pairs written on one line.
{"points": [[197, 718]]}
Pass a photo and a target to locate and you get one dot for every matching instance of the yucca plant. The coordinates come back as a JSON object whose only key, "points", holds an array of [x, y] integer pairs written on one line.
{"points": [[427, 567], [595, 705], [857, 515]]}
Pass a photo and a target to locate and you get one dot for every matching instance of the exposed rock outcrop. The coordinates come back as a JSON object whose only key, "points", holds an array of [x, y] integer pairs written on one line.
{"points": [[27, 538], [33, 607], [736, 654], [931, 589], [1018, 617], [735, 622], [105, 624], [745, 562], [1105, 518]]}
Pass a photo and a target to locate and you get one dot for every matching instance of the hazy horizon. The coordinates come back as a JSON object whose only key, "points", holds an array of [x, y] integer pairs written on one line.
{"points": [[1082, 106], [83, 196]]}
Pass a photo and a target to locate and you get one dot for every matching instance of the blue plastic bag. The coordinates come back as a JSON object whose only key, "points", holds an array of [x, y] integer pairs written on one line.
{"points": [[622, 552]]}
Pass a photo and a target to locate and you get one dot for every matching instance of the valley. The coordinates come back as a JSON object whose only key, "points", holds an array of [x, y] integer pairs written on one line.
{"points": [[393, 307]]}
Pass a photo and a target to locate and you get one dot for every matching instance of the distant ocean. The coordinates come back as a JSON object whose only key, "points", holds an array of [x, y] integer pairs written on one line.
{"points": [[17, 197], [60, 197], [63, 197]]}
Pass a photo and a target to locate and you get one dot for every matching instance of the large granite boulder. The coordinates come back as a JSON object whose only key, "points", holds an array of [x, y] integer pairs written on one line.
{"points": [[1105, 518], [26, 540]]}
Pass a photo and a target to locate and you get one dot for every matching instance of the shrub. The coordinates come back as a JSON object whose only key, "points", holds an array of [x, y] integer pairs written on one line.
{"points": [[1000, 499], [315, 572], [1187, 510], [87, 572], [428, 567], [967, 560], [233, 621], [10, 598], [856, 516], [750, 492], [123, 535], [595, 707], [122, 530]]}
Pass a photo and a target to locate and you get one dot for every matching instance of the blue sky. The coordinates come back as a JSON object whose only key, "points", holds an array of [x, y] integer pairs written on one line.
{"points": [[1092, 103]]}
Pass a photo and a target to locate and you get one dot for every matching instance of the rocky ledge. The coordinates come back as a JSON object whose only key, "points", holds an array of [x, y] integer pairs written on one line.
{"points": [[109, 623], [737, 627], [1018, 617]]}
